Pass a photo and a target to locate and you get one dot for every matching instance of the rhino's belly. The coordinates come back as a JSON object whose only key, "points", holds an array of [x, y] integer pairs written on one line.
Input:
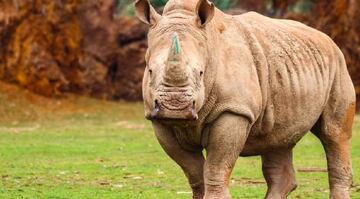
{"points": [[262, 145], [290, 115], [283, 135]]}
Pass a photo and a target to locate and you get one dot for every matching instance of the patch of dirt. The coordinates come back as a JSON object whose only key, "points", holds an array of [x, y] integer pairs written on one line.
{"points": [[19, 107], [133, 177], [130, 125], [357, 118], [183, 192], [104, 183], [249, 181], [312, 170], [19, 129]]}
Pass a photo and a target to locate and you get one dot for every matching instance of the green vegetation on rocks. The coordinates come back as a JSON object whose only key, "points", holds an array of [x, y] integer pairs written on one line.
{"points": [[126, 6]]}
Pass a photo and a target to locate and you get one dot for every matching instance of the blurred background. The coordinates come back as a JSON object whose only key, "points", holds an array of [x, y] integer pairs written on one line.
{"points": [[96, 47], [71, 117]]}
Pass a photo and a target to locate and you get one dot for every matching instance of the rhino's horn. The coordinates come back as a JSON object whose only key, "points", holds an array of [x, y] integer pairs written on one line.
{"points": [[175, 50], [175, 72]]}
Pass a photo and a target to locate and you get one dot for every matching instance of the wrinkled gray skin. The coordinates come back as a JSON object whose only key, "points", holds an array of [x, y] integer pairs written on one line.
{"points": [[242, 86]]}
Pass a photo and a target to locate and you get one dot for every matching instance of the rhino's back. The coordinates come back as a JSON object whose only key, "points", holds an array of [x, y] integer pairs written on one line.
{"points": [[297, 66]]}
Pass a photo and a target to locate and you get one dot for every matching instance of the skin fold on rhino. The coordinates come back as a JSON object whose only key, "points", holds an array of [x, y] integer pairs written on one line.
{"points": [[242, 86]]}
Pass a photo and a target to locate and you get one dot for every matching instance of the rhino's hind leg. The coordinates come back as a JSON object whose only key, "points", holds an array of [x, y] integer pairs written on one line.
{"points": [[334, 129], [279, 173]]}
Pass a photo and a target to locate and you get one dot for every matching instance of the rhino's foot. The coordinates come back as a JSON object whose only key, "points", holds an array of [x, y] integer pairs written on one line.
{"points": [[217, 193], [281, 194], [198, 196], [279, 173], [198, 191], [339, 193]]}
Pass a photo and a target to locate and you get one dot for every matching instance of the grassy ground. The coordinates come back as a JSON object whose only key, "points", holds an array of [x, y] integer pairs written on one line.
{"points": [[86, 148]]}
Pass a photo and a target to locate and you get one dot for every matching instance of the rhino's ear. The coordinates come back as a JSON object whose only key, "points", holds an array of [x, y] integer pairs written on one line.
{"points": [[146, 13], [205, 11]]}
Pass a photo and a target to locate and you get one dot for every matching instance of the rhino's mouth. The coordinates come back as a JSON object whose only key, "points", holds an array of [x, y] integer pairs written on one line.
{"points": [[175, 101], [174, 105]]}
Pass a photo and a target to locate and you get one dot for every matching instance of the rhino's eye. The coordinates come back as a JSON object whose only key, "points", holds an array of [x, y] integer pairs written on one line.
{"points": [[150, 71], [201, 73]]}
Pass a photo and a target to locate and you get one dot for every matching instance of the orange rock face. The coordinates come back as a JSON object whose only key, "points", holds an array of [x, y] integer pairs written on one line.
{"points": [[52, 46]]}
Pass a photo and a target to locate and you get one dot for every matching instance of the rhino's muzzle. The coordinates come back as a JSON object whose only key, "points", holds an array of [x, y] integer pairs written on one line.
{"points": [[161, 111]]}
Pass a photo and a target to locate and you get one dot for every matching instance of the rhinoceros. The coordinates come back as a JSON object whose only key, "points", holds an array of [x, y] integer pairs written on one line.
{"points": [[244, 85]]}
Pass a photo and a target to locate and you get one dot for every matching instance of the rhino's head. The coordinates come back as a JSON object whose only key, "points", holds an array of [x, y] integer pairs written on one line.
{"points": [[173, 85]]}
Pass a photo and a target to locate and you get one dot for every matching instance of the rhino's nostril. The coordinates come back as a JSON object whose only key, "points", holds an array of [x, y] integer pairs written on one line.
{"points": [[157, 106], [194, 114], [156, 110]]}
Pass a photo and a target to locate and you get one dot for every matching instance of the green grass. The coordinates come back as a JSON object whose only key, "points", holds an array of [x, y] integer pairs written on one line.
{"points": [[86, 148]]}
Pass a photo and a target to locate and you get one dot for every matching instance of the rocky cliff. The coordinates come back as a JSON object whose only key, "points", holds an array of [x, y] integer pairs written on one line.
{"points": [[55, 46]]}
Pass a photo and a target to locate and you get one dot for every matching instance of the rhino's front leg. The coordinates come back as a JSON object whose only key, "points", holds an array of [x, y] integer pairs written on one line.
{"points": [[226, 140], [192, 162]]}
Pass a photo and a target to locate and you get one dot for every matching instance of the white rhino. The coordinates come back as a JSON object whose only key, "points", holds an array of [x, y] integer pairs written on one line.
{"points": [[242, 86]]}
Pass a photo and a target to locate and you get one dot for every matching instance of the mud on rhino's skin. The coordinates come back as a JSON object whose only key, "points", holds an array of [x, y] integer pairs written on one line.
{"points": [[244, 85]]}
